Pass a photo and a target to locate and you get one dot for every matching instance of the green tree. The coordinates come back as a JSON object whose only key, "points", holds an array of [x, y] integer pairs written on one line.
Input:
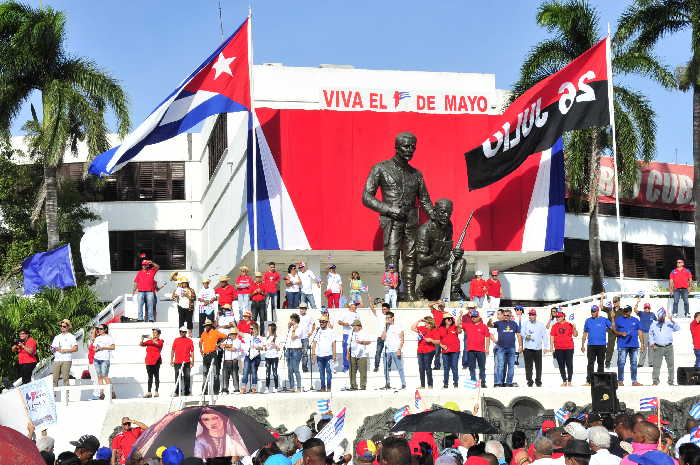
{"points": [[75, 95], [574, 27], [645, 23], [41, 314]]}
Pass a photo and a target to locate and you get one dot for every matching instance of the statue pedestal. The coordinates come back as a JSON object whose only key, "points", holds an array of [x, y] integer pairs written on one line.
{"points": [[428, 303]]}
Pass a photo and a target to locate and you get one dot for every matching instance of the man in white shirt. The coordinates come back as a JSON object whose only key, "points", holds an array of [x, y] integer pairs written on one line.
{"points": [[380, 316], [104, 345], [227, 319], [232, 358], [206, 304], [543, 452], [63, 346], [393, 344], [346, 318], [599, 440], [308, 281], [358, 355], [306, 328], [323, 351], [690, 423]]}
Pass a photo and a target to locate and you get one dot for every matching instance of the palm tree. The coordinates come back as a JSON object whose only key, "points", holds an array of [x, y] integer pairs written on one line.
{"points": [[644, 24], [75, 94], [574, 26]]}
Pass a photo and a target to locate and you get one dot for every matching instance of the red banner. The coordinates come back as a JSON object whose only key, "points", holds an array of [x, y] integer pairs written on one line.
{"points": [[659, 185]]}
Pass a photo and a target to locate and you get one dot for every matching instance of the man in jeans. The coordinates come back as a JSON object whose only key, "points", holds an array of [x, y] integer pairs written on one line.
{"points": [[678, 283], [145, 284], [63, 346], [306, 328], [646, 317], [182, 359], [393, 343], [535, 340], [626, 328], [381, 322], [358, 355], [272, 289], [594, 330], [477, 346], [661, 343], [323, 351], [505, 349], [308, 281], [695, 334], [208, 347]]}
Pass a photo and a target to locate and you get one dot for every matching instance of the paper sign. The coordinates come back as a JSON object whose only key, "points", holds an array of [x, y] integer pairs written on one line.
{"points": [[39, 401]]}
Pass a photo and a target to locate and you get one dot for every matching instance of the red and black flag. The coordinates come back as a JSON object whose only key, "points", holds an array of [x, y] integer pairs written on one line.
{"points": [[574, 98]]}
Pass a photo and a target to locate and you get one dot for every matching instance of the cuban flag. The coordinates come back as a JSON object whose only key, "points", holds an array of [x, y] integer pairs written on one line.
{"points": [[649, 403], [339, 421], [471, 384], [221, 84], [695, 435], [695, 411], [323, 406], [417, 399], [561, 415], [400, 413]]}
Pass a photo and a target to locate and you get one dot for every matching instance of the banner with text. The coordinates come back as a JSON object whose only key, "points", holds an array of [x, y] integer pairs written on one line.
{"points": [[392, 100], [39, 401]]}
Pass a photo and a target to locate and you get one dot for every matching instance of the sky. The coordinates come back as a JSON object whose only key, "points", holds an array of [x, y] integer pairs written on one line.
{"points": [[151, 45]]}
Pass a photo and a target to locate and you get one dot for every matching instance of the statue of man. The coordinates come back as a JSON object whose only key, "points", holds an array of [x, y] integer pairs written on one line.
{"points": [[401, 186], [434, 247]]}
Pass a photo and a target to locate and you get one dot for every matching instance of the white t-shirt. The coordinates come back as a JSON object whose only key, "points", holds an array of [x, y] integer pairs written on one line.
{"points": [[293, 343], [250, 345], [182, 301], [104, 340], [306, 322], [335, 283], [295, 280], [348, 317], [272, 347], [381, 323], [225, 320], [604, 457], [359, 350], [206, 294], [234, 354], [307, 279], [63, 341], [324, 342], [393, 338]]}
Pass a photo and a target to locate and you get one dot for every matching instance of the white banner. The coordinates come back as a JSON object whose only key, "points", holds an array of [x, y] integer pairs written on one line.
{"points": [[39, 401], [332, 434], [94, 249]]}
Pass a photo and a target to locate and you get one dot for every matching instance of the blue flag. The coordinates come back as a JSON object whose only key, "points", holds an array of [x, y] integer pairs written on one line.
{"points": [[48, 269]]}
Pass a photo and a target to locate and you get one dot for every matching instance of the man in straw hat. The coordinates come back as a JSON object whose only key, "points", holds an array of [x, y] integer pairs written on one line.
{"points": [[206, 303], [63, 346], [257, 300], [244, 283], [225, 292]]}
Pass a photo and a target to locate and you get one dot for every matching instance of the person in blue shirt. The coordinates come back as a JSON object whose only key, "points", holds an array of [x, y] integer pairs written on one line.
{"points": [[645, 319], [535, 339], [505, 348], [595, 330], [661, 343], [626, 328]]}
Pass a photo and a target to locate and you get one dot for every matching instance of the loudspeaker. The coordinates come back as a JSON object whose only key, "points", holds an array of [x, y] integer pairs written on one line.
{"points": [[604, 392], [688, 376]]}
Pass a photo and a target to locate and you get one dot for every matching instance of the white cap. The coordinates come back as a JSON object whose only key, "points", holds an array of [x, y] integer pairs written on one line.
{"points": [[478, 272], [577, 431], [183, 328], [303, 433]]}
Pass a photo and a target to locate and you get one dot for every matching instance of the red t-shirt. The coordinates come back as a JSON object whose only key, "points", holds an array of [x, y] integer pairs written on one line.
{"points": [[476, 335], [681, 278], [226, 294], [272, 281], [695, 332], [425, 347], [437, 316], [242, 280], [25, 357], [146, 280], [123, 442], [476, 287], [182, 346], [244, 326], [417, 438], [91, 354], [563, 335], [152, 351], [259, 296], [449, 337], [493, 287]]}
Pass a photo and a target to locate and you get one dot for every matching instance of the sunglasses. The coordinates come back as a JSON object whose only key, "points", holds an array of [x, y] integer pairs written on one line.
{"points": [[100, 329], [126, 423], [64, 326]]}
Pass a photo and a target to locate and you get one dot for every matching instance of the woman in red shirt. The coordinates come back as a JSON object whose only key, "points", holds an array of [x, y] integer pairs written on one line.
{"points": [[26, 355], [153, 347], [449, 343], [562, 337], [428, 336]]}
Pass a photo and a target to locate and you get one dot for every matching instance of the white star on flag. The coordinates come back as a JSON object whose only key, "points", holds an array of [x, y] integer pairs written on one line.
{"points": [[223, 65]]}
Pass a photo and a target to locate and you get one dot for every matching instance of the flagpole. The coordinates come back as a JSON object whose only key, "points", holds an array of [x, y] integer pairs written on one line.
{"points": [[254, 139], [611, 106]]}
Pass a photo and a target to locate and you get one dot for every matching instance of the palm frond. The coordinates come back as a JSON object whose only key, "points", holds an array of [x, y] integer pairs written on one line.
{"points": [[647, 22]]}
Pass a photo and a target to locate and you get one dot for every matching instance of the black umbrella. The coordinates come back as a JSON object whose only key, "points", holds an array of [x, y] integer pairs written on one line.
{"points": [[205, 431], [444, 420]]}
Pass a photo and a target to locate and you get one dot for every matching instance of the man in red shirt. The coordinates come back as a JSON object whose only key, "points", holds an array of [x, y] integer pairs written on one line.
{"points": [[678, 283], [125, 439], [477, 289], [182, 358], [494, 291], [26, 355], [271, 278], [477, 346], [225, 292], [257, 300], [695, 332], [244, 325], [145, 284]]}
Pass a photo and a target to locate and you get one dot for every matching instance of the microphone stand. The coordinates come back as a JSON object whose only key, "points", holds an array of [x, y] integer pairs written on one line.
{"points": [[387, 369], [311, 362]]}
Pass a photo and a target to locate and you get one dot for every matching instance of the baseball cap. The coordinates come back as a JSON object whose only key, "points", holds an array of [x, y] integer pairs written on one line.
{"points": [[532, 312], [172, 456], [478, 272], [87, 442], [365, 450], [159, 451], [331, 267], [145, 262], [183, 329], [578, 446], [474, 313], [652, 457], [594, 308], [303, 433], [559, 314], [519, 307], [577, 431], [547, 425], [647, 305], [391, 265], [103, 453], [301, 265], [494, 272]]}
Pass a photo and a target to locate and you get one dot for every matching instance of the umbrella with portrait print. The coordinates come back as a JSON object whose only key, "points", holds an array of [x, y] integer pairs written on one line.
{"points": [[205, 431]]}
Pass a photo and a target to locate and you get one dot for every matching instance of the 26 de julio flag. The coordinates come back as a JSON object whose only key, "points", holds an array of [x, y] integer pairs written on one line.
{"points": [[221, 84], [576, 97]]}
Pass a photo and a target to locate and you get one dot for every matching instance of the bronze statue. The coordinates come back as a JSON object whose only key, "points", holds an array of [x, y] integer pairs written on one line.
{"points": [[401, 186], [434, 248]]}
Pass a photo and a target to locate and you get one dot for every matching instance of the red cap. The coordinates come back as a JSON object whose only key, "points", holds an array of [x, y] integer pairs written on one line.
{"points": [[558, 314], [476, 460], [647, 305], [532, 312], [274, 434], [547, 425], [145, 262], [654, 419], [365, 449], [494, 272]]}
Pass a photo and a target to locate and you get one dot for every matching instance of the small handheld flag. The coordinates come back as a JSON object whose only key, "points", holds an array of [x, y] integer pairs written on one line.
{"points": [[695, 411], [649, 403], [323, 406], [581, 416], [418, 399], [471, 384], [561, 415], [400, 413], [605, 284], [340, 421]]}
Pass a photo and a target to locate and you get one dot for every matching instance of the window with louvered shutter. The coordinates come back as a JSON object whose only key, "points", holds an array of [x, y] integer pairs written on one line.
{"points": [[147, 181], [167, 248], [216, 145]]}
